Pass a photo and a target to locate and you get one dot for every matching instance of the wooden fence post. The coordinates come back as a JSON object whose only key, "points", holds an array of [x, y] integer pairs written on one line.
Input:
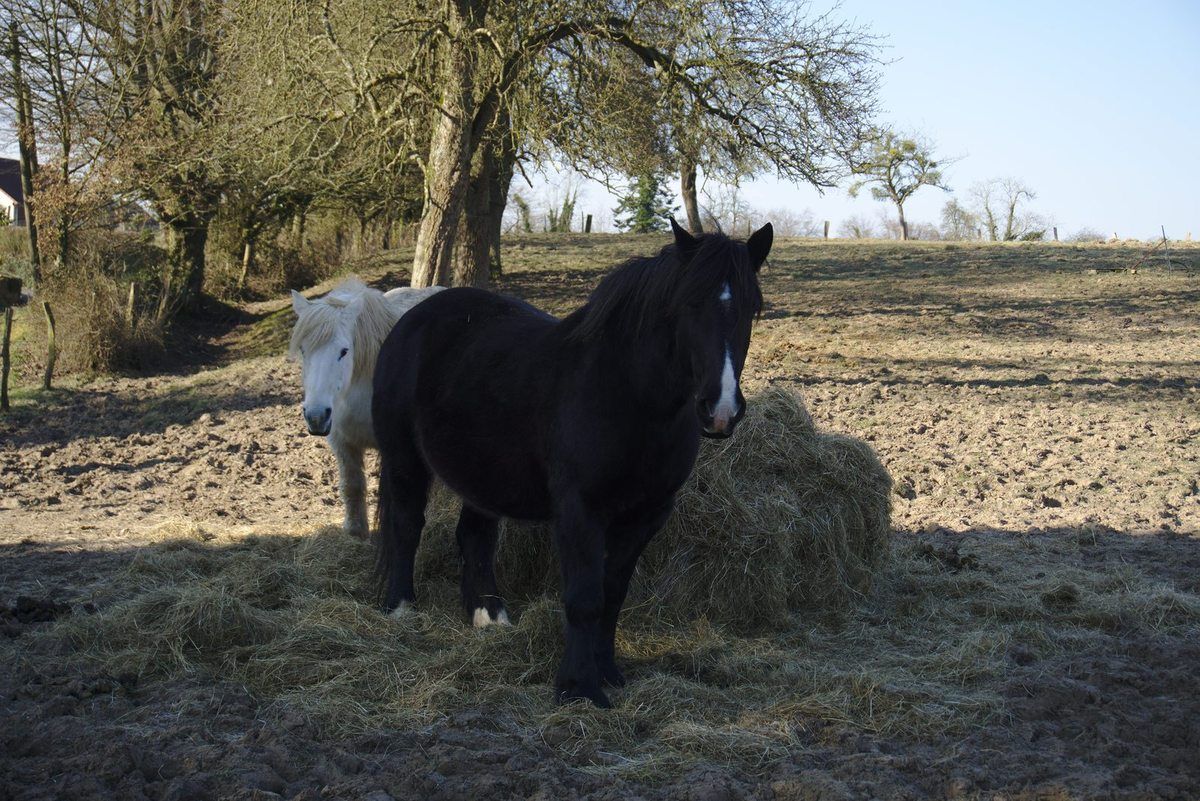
{"points": [[130, 320], [587, 225], [1056, 233], [4, 359], [51, 345], [827, 229]]}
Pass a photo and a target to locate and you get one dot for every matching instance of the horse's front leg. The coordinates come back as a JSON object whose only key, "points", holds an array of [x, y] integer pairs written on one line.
{"points": [[624, 543], [579, 535], [352, 483]]}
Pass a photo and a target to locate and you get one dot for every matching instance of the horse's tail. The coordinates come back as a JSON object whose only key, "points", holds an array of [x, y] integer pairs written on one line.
{"points": [[386, 546]]}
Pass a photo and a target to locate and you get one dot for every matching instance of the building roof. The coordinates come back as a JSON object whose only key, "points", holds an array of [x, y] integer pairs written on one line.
{"points": [[10, 179]]}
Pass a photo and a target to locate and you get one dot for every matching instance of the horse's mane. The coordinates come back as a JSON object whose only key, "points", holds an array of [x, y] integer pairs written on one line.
{"points": [[646, 290], [319, 321]]}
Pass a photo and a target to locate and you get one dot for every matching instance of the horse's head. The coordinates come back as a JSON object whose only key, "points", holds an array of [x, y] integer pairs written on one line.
{"points": [[720, 300], [323, 340]]}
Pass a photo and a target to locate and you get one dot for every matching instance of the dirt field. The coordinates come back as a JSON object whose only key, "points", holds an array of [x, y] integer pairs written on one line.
{"points": [[1037, 634]]}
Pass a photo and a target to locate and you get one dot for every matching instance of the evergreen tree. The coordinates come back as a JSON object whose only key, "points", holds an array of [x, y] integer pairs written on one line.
{"points": [[646, 207]]}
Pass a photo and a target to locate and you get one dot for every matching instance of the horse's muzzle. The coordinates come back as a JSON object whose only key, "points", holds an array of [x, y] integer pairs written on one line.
{"points": [[319, 424], [714, 426]]}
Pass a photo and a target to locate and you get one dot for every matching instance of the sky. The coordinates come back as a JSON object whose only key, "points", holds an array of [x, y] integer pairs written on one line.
{"points": [[1094, 105]]}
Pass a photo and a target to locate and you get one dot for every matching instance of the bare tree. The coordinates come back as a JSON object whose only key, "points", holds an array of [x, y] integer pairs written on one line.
{"points": [[1000, 203], [762, 87], [858, 226], [958, 222], [154, 77], [789, 222], [475, 84]]}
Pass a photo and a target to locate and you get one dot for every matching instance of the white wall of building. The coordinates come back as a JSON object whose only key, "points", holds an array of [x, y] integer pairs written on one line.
{"points": [[8, 207]]}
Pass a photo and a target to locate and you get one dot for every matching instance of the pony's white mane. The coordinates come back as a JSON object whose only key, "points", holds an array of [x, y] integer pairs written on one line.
{"points": [[316, 325]]}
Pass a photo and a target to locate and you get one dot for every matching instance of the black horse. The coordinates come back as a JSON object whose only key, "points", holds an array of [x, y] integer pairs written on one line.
{"points": [[593, 421]]}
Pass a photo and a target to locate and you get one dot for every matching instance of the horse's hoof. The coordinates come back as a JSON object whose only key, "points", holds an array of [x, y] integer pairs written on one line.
{"points": [[610, 674], [566, 695], [482, 618], [403, 610]]}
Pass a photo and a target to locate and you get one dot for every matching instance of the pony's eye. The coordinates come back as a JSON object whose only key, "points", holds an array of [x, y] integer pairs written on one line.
{"points": [[342, 355]]}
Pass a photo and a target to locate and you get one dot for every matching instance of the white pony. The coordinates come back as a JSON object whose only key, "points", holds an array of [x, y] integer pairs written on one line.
{"points": [[337, 339]]}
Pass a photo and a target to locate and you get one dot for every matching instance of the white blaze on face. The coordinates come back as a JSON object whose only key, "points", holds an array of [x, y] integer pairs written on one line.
{"points": [[727, 404], [726, 408]]}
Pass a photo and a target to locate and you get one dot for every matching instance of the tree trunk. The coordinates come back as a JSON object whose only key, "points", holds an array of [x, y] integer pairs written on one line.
{"points": [[27, 147], [299, 222], [477, 251], [501, 182], [448, 174], [687, 188], [474, 225], [51, 345], [248, 254], [903, 223], [5, 362], [186, 238]]}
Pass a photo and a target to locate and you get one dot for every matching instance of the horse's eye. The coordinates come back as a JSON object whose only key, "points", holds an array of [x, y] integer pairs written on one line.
{"points": [[342, 355]]}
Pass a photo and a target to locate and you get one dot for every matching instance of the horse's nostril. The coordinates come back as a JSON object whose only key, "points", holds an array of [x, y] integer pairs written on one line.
{"points": [[328, 413]]}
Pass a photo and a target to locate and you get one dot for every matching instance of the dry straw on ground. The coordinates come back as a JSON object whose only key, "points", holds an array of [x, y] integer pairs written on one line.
{"points": [[777, 614], [779, 519]]}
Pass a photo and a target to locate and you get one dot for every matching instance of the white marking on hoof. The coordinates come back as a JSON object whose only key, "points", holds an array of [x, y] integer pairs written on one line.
{"points": [[402, 611], [482, 619]]}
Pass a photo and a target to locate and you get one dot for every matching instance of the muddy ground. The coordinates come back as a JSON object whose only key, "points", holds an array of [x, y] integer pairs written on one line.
{"points": [[1038, 408]]}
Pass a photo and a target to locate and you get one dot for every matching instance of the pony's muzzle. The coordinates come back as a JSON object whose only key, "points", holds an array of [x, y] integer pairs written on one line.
{"points": [[319, 422], [718, 420]]}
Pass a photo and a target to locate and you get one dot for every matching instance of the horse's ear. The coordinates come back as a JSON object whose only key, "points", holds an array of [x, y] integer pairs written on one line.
{"points": [[684, 241], [299, 302], [759, 245]]}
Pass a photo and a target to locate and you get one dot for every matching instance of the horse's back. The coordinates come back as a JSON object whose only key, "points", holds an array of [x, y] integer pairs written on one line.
{"points": [[404, 298]]}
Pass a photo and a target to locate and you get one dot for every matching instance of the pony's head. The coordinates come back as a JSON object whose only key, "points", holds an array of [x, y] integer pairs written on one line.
{"points": [[716, 303], [699, 296], [336, 338]]}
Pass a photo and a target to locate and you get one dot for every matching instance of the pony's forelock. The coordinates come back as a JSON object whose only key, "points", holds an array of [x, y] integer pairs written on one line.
{"points": [[317, 324]]}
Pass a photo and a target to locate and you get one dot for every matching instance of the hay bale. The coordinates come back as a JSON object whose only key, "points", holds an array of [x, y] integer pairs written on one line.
{"points": [[778, 520]]}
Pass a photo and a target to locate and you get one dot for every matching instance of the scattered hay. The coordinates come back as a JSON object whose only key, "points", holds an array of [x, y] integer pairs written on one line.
{"points": [[906, 646]]}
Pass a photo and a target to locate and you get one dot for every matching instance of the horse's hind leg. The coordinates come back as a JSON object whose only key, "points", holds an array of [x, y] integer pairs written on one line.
{"points": [[353, 485], [477, 534], [403, 493]]}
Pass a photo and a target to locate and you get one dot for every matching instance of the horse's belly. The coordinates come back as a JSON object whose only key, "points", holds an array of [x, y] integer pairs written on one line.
{"points": [[501, 481]]}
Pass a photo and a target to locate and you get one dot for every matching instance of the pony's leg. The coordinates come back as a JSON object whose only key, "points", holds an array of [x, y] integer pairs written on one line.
{"points": [[579, 536], [477, 534], [625, 543], [353, 485], [403, 493]]}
